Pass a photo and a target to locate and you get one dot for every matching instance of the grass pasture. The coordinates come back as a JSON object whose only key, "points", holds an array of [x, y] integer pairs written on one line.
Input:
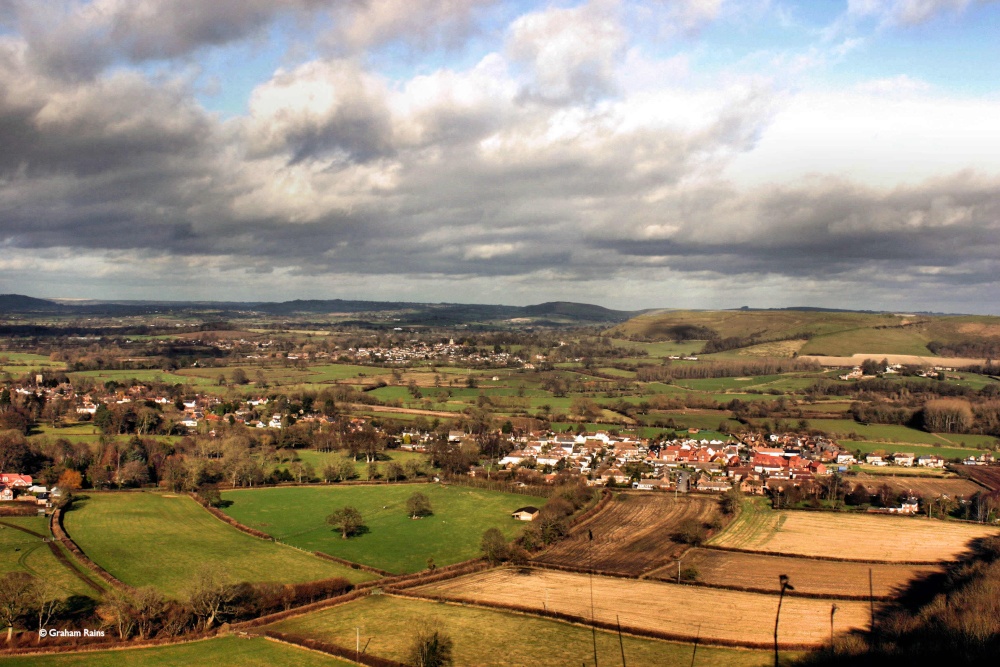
{"points": [[20, 551], [161, 540], [393, 541], [942, 450], [754, 571], [228, 651], [641, 603], [492, 638], [862, 537], [633, 533], [894, 434]]}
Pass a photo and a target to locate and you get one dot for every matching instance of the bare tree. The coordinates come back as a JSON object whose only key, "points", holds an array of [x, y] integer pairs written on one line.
{"points": [[15, 599]]}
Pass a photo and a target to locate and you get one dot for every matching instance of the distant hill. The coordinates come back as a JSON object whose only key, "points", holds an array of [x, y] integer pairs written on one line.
{"points": [[582, 311], [822, 332], [398, 312], [18, 303]]}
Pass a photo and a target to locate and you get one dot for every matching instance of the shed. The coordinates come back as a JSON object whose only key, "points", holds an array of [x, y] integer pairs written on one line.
{"points": [[525, 513]]}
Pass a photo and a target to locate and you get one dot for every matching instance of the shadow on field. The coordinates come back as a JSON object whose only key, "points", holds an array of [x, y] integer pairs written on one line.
{"points": [[947, 617]]}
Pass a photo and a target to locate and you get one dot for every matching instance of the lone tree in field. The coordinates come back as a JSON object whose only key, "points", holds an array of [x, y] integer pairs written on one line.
{"points": [[431, 648], [347, 520], [494, 546], [418, 505]]}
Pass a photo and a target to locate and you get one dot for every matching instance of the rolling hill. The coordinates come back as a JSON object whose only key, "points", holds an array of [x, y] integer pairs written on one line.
{"points": [[835, 333]]}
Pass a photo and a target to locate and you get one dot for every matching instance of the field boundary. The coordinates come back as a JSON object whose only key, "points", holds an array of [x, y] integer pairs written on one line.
{"points": [[771, 591], [225, 518], [59, 555], [835, 559], [328, 648], [118, 645], [56, 526], [601, 625], [351, 564]]}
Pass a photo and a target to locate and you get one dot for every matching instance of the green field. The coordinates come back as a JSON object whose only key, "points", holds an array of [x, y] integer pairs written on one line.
{"points": [[893, 433], [394, 542], [228, 651], [83, 432], [917, 450], [870, 341], [490, 638], [19, 363], [23, 552], [319, 460], [755, 518], [162, 540]]}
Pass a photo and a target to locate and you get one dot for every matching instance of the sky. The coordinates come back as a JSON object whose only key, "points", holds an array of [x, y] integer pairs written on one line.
{"points": [[632, 154]]}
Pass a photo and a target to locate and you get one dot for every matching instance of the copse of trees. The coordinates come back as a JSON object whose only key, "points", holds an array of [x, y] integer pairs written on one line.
{"points": [[724, 368]]}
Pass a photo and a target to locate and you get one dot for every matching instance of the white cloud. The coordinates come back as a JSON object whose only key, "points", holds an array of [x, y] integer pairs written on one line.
{"points": [[908, 12], [570, 52]]}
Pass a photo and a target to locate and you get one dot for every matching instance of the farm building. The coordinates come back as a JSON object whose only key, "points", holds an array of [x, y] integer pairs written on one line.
{"points": [[525, 513]]}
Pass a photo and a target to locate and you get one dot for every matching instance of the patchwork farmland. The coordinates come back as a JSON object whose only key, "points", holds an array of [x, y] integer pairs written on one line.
{"points": [[163, 540], [632, 534], [861, 537], [682, 611]]}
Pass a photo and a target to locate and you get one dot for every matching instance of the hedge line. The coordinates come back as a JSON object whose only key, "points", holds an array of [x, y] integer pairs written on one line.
{"points": [[332, 649], [55, 525], [222, 516], [603, 625], [606, 496], [30, 510], [771, 591], [80, 645], [834, 559], [298, 611], [441, 574], [351, 564]]}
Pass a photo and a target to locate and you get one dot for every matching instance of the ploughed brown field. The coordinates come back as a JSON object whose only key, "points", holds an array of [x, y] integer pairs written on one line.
{"points": [[818, 577], [863, 537], [988, 476], [685, 611], [632, 534]]}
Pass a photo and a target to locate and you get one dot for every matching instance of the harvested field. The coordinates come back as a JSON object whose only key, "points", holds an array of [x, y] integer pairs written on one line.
{"points": [[685, 611], [862, 537], [632, 534], [815, 577], [914, 360], [923, 487]]}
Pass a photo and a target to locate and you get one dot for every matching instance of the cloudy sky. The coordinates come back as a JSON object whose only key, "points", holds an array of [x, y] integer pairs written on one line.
{"points": [[634, 154]]}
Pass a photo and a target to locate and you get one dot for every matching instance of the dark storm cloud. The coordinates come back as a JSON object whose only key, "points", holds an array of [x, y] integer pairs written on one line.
{"points": [[830, 228]]}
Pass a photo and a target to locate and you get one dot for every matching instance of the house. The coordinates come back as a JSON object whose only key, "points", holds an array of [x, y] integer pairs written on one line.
{"points": [[931, 461], [902, 459], [15, 481], [6, 493], [876, 460], [528, 513], [659, 484]]}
